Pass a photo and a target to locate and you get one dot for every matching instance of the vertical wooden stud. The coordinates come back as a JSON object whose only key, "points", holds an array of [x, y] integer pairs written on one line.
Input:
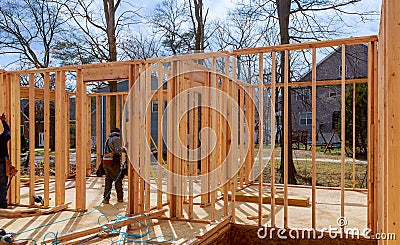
{"points": [[59, 164], [234, 147], [67, 135], [314, 138], [147, 128], [46, 160], [354, 137], [343, 129], [214, 115], [88, 134], [260, 135], [160, 150], [286, 137], [14, 189], [80, 166], [273, 94], [31, 138], [371, 135], [98, 131]]}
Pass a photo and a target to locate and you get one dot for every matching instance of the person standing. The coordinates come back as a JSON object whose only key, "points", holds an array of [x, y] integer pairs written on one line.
{"points": [[4, 138], [112, 170]]}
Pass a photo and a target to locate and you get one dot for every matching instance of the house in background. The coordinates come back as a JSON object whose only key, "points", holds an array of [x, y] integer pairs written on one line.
{"points": [[328, 97], [39, 123]]}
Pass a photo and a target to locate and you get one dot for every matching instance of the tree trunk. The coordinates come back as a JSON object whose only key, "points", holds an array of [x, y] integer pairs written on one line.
{"points": [[283, 15], [113, 115], [198, 20], [109, 13]]}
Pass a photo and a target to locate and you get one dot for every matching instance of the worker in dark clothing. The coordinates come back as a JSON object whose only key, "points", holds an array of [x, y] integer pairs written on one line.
{"points": [[4, 138], [112, 171]]}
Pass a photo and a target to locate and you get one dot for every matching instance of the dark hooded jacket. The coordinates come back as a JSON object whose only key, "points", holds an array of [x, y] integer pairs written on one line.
{"points": [[114, 143], [4, 138]]}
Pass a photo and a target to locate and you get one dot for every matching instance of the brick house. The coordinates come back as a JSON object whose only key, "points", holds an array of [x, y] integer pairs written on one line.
{"points": [[328, 97]]}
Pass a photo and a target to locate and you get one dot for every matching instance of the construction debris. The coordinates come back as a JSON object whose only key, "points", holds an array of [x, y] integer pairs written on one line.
{"points": [[27, 212]]}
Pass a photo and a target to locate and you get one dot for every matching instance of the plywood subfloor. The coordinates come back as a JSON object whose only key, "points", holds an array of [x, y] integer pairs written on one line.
{"points": [[328, 210]]}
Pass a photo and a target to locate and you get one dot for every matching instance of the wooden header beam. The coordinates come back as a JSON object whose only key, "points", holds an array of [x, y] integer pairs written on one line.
{"points": [[309, 45], [39, 93]]}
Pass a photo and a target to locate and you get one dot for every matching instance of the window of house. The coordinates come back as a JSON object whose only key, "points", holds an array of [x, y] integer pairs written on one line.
{"points": [[340, 71], [335, 119], [154, 106], [305, 118], [41, 139], [303, 95], [333, 94]]}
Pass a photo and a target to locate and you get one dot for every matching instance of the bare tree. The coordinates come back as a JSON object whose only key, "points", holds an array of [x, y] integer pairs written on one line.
{"points": [[28, 29], [94, 33], [183, 25], [142, 46], [198, 24], [242, 29], [94, 30], [170, 19]]}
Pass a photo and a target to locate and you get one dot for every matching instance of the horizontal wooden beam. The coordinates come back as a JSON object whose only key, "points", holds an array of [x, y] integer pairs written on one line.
{"points": [[106, 72], [309, 45], [202, 221], [39, 93], [154, 95], [320, 83], [76, 67], [107, 94], [298, 201]]}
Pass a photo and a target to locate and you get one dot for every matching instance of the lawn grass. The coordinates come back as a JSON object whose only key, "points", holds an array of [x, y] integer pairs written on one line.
{"points": [[328, 173], [40, 152]]}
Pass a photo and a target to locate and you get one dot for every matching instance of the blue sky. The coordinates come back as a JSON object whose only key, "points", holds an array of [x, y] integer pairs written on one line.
{"points": [[219, 8]]}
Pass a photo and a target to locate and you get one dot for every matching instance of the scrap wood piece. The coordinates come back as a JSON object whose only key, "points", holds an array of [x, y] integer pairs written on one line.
{"points": [[213, 233], [27, 205], [26, 181], [299, 201], [47, 211], [27, 212], [110, 225], [202, 221], [81, 241], [264, 216], [54, 209], [17, 213], [15, 243]]}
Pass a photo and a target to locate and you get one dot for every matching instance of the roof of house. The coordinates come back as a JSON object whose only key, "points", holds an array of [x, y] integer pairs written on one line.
{"points": [[329, 56]]}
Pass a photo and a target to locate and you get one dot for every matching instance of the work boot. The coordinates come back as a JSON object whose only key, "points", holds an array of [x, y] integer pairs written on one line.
{"points": [[106, 202], [120, 200]]}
